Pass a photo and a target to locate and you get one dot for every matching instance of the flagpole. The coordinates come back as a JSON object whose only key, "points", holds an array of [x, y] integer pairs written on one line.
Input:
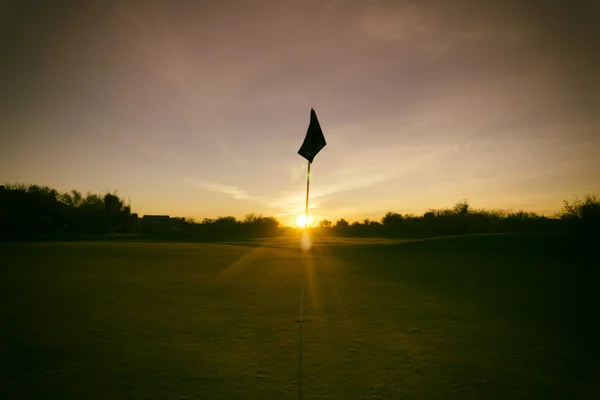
{"points": [[302, 288], [300, 359], [307, 188], [313, 143]]}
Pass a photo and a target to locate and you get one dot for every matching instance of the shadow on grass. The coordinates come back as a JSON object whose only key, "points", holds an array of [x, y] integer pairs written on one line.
{"points": [[537, 243]]}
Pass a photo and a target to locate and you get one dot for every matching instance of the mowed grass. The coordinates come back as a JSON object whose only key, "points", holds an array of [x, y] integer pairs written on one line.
{"points": [[416, 320]]}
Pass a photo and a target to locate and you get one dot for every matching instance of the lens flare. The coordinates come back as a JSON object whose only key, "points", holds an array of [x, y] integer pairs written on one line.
{"points": [[305, 241]]}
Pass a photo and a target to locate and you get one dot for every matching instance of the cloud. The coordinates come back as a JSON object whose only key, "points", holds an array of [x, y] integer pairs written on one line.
{"points": [[287, 204], [233, 191], [368, 173], [279, 206]]}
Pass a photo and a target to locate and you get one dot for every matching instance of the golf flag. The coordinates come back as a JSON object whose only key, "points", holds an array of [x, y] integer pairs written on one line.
{"points": [[314, 140]]}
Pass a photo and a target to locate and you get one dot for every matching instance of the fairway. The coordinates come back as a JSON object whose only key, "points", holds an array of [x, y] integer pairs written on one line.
{"points": [[217, 321]]}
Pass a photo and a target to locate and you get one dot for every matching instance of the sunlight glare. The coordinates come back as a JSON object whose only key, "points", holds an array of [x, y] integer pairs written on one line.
{"points": [[301, 220]]}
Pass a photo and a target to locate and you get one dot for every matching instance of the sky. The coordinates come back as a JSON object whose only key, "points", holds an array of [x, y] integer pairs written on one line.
{"points": [[198, 108]]}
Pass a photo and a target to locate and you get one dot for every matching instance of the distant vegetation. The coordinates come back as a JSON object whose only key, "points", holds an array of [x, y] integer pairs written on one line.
{"points": [[581, 216], [30, 211]]}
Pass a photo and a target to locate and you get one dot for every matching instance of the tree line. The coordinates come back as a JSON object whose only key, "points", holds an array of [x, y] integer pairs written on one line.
{"points": [[33, 211], [581, 216]]}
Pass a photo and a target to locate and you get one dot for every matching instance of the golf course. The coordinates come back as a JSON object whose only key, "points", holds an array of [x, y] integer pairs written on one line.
{"points": [[300, 200], [471, 317]]}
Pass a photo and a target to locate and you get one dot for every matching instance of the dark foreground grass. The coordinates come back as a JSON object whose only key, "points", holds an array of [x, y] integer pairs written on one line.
{"points": [[198, 321]]}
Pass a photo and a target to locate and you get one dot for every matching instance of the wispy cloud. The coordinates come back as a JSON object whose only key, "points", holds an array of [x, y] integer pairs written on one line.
{"points": [[232, 191], [369, 173], [289, 204]]}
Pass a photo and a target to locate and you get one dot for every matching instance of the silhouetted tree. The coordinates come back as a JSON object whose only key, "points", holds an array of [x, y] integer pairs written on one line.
{"points": [[341, 227], [257, 225], [325, 224], [341, 224], [393, 224], [582, 215]]}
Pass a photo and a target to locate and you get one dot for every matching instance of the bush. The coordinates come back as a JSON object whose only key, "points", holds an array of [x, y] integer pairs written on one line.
{"points": [[582, 216]]}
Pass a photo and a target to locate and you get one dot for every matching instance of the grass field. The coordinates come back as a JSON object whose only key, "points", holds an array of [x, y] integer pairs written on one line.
{"points": [[482, 317]]}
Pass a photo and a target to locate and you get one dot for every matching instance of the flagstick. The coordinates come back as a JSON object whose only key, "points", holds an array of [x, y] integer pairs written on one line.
{"points": [[302, 290], [307, 187], [300, 364]]}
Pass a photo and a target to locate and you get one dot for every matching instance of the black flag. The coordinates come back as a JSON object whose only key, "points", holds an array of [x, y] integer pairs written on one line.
{"points": [[314, 140]]}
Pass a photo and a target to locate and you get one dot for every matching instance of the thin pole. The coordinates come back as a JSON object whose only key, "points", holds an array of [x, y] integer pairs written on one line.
{"points": [[300, 362], [307, 188], [302, 291]]}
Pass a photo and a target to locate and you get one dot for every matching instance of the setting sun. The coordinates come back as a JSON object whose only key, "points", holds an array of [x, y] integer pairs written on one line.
{"points": [[301, 220]]}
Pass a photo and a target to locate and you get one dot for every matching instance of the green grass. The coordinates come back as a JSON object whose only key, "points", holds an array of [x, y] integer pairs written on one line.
{"points": [[476, 317]]}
